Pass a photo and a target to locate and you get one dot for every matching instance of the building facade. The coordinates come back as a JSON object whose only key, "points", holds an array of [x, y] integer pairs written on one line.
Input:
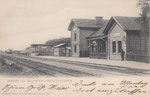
{"points": [[126, 33], [80, 30], [119, 33]]}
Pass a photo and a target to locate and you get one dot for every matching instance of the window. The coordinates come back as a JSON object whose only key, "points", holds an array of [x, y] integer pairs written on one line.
{"points": [[113, 46], [102, 46], [88, 42], [119, 46], [75, 48], [94, 46], [75, 36], [93, 49]]}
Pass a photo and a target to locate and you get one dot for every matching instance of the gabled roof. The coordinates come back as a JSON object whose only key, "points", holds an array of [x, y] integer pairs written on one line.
{"points": [[84, 23], [60, 45], [126, 23], [100, 31]]}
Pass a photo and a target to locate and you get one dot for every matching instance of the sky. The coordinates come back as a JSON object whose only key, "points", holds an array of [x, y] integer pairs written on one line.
{"points": [[24, 22]]}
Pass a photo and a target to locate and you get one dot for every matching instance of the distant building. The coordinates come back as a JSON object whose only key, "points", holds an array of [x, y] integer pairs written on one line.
{"points": [[30, 51], [80, 30], [42, 49], [9, 51], [16, 52], [62, 50]]}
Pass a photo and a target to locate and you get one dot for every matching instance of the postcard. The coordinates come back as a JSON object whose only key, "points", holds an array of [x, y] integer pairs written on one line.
{"points": [[74, 48]]}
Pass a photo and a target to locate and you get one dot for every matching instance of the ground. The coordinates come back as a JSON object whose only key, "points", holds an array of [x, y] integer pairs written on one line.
{"points": [[13, 65], [16, 69]]}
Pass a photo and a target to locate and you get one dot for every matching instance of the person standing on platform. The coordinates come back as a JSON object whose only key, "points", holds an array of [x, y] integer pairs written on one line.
{"points": [[122, 54]]}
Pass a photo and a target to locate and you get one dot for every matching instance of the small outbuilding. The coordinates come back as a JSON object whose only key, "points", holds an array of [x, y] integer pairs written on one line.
{"points": [[61, 50]]}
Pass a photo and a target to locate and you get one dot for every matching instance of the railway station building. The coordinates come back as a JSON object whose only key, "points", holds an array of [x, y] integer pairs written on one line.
{"points": [[104, 39], [120, 33], [80, 30]]}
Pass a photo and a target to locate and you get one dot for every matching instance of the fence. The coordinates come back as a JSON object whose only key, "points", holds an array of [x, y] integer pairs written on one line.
{"points": [[136, 50], [135, 57], [98, 55], [84, 54]]}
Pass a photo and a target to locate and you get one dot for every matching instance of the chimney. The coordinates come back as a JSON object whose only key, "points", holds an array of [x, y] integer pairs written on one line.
{"points": [[99, 20]]}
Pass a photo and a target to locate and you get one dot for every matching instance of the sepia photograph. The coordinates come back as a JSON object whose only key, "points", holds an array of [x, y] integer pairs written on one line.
{"points": [[99, 47]]}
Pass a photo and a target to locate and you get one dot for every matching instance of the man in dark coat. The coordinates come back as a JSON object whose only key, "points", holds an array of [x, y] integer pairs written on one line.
{"points": [[122, 54]]}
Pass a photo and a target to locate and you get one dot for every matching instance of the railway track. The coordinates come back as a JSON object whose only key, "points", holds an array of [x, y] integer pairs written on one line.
{"points": [[53, 70], [114, 68], [47, 68]]}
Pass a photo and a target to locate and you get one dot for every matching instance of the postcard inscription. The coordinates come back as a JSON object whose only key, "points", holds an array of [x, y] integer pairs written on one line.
{"points": [[45, 87]]}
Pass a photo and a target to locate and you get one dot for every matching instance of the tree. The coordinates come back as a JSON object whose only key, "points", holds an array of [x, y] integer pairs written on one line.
{"points": [[145, 22], [58, 41], [145, 8]]}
